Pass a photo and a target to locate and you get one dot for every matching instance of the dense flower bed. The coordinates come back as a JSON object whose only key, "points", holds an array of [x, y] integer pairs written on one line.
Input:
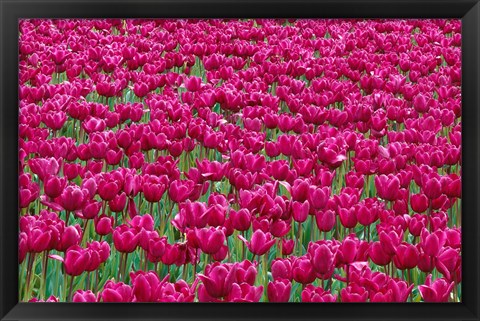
{"points": [[240, 160]]}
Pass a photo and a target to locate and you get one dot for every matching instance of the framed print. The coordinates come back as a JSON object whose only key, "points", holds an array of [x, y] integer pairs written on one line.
{"points": [[240, 160]]}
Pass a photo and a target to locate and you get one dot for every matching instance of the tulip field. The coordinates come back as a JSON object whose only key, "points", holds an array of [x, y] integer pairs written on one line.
{"points": [[246, 160]]}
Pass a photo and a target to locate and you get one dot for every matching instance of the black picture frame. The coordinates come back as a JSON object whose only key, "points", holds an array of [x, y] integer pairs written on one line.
{"points": [[467, 10]]}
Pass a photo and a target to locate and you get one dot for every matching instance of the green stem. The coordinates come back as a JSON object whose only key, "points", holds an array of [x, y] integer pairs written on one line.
{"points": [[409, 272], [22, 273], [85, 231], [31, 258], [67, 217], [265, 269], [312, 228], [70, 288], [64, 287], [44, 279], [299, 239], [184, 273]]}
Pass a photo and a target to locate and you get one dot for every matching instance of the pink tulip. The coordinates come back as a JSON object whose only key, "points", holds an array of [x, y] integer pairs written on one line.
{"points": [[44, 167], [108, 190], [72, 198], [193, 83], [300, 211], [153, 188], [210, 239], [347, 217], [347, 251], [390, 241], [303, 271], [244, 293], [260, 242], [387, 187], [322, 259], [448, 263], [318, 197], [145, 286], [76, 259], [378, 255], [317, 294], [353, 293], [180, 191], [241, 220], [279, 291], [90, 210], [218, 281], [432, 242], [281, 269], [71, 236], [53, 186], [417, 223], [325, 220], [406, 257], [419, 203], [300, 191], [437, 291], [246, 272], [84, 296], [287, 246], [125, 239], [22, 246], [103, 225], [432, 188], [116, 292]]}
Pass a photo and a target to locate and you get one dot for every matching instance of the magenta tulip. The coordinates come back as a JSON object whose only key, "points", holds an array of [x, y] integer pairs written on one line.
{"points": [[260, 242], [279, 291]]}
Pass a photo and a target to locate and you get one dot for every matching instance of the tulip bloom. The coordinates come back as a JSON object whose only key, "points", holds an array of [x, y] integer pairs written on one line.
{"points": [[300, 211], [287, 246], [180, 191], [322, 260], [210, 240], [116, 292], [75, 261], [125, 239], [432, 242], [406, 257], [72, 198], [437, 291], [353, 293], [153, 190], [219, 281], [317, 294], [303, 271], [145, 286], [378, 255], [448, 263], [103, 225], [387, 187], [260, 242], [419, 202], [281, 269], [241, 220], [432, 188], [318, 197], [54, 186], [279, 291], [84, 296], [347, 251], [325, 220]]}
